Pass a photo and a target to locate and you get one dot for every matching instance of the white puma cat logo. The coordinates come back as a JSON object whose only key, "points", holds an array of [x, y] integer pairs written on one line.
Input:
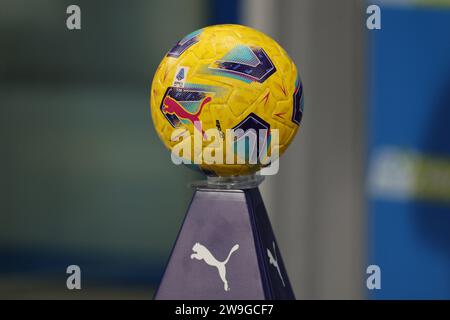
{"points": [[202, 253], [274, 262]]}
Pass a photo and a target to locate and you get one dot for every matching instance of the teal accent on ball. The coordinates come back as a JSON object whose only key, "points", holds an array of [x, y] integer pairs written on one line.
{"points": [[192, 35], [191, 106], [226, 73], [202, 87], [241, 54]]}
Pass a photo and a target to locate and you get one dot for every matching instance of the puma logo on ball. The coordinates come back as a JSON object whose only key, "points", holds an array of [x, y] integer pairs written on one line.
{"points": [[172, 106], [202, 253]]}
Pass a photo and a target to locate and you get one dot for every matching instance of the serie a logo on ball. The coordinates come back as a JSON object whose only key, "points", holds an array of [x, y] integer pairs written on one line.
{"points": [[227, 99]]}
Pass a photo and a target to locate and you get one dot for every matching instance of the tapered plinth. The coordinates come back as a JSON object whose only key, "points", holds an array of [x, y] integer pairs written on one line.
{"points": [[226, 249]]}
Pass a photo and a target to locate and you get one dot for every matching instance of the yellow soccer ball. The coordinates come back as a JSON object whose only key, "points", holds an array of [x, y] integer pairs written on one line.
{"points": [[220, 78]]}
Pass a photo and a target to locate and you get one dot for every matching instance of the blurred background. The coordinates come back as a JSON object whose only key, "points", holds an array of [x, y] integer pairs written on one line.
{"points": [[84, 179]]}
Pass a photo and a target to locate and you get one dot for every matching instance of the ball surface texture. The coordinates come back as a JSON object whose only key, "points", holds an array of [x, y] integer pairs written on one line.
{"points": [[227, 77]]}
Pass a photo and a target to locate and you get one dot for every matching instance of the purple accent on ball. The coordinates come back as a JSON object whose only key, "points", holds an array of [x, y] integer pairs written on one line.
{"points": [[252, 121], [182, 45], [298, 103]]}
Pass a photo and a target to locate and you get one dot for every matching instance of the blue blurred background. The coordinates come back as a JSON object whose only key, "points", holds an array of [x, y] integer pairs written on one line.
{"points": [[84, 179]]}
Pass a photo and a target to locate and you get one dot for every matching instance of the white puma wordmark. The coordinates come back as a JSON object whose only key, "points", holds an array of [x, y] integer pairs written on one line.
{"points": [[274, 261], [202, 253]]}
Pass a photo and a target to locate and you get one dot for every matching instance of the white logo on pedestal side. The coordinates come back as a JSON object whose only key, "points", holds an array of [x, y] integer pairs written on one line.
{"points": [[202, 253], [274, 261]]}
